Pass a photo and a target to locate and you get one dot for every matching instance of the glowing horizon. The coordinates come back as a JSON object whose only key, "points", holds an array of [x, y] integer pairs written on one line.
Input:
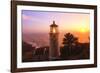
{"points": [[39, 22]]}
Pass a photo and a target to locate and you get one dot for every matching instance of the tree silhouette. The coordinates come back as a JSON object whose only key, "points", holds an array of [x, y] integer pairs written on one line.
{"points": [[69, 42]]}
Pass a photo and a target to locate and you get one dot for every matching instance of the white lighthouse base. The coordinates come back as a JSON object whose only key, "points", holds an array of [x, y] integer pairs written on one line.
{"points": [[54, 58]]}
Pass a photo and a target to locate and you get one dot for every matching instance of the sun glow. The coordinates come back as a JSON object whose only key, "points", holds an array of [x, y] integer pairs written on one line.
{"points": [[83, 28]]}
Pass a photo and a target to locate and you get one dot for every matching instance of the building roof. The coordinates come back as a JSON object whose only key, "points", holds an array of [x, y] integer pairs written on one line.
{"points": [[53, 25]]}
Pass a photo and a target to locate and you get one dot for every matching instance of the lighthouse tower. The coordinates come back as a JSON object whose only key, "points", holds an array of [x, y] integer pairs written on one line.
{"points": [[54, 49]]}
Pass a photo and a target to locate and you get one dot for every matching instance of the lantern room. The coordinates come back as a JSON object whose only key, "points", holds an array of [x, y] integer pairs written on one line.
{"points": [[53, 28]]}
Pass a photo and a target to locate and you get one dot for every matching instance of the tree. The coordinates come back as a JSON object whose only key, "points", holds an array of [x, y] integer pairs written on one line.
{"points": [[69, 42]]}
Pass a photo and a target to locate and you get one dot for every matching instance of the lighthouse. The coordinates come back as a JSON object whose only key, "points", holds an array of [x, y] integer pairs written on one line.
{"points": [[54, 45]]}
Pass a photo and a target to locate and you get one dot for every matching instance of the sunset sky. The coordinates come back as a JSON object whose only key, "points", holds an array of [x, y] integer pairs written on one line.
{"points": [[39, 22]]}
